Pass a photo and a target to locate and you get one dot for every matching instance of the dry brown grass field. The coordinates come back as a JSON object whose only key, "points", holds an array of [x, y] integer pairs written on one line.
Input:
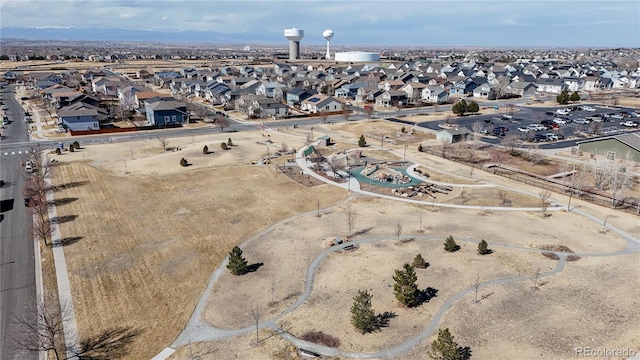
{"points": [[145, 234]]}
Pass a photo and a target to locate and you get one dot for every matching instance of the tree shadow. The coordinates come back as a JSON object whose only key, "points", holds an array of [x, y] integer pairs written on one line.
{"points": [[70, 240], [465, 352], [487, 252], [112, 343], [64, 219], [363, 231], [69, 185], [254, 267], [64, 201], [382, 320], [426, 295]]}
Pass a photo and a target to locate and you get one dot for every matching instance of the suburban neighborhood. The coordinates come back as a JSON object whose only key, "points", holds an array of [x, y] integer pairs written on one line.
{"points": [[241, 203]]}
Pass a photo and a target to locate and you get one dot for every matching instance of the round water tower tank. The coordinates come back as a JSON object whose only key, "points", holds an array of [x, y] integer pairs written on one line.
{"points": [[327, 34], [294, 34]]}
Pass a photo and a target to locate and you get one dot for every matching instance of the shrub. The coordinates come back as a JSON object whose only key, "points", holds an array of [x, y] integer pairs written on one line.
{"points": [[205, 150], [58, 151], [418, 262], [362, 142], [318, 337], [420, 148], [483, 248], [229, 142], [72, 148], [224, 146], [76, 145], [450, 244], [184, 162]]}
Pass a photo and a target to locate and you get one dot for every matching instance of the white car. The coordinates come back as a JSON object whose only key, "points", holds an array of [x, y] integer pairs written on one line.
{"points": [[629, 123], [563, 111], [617, 116], [588, 108], [581, 121], [559, 121], [525, 130], [551, 137]]}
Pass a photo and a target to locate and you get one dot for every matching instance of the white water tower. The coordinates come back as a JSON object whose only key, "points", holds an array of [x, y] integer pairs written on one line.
{"points": [[328, 35], [294, 35]]}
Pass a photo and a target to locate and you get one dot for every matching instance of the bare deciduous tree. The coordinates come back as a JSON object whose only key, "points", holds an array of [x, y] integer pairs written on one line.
{"points": [[398, 230], [323, 116], [39, 327], [221, 121], [476, 285], [163, 142], [336, 164], [368, 112], [511, 142], [544, 200], [498, 157], [256, 312], [536, 286], [502, 195]]}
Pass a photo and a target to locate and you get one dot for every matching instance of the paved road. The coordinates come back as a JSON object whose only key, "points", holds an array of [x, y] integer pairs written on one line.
{"points": [[17, 271]]}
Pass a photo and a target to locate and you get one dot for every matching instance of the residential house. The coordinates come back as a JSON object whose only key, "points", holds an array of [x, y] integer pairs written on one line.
{"points": [[296, 95], [394, 98], [126, 95], [79, 117], [414, 91], [141, 97], [167, 112], [482, 91], [266, 88], [320, 103], [435, 95], [521, 88], [551, 85]]}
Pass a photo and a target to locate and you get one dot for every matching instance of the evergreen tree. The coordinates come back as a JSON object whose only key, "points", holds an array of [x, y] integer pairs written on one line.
{"points": [[459, 108], [473, 107], [205, 149], [420, 148], [237, 264], [563, 97], [482, 248], [229, 142], [444, 348], [574, 96], [224, 146], [362, 142], [418, 262], [450, 244], [405, 289], [362, 315], [492, 95]]}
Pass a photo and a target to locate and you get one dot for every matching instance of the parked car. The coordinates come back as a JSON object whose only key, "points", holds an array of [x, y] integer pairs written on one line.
{"points": [[629, 123], [551, 137], [497, 132], [617, 116], [501, 128], [588, 108], [581, 121], [525, 129], [549, 113], [634, 114], [559, 121], [488, 121], [563, 111], [539, 138], [28, 167], [507, 117]]}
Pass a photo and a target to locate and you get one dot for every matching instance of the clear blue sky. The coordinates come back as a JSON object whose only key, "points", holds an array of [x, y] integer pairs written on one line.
{"points": [[357, 22]]}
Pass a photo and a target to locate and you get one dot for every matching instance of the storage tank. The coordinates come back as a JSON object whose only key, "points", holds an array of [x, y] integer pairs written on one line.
{"points": [[357, 56], [294, 36]]}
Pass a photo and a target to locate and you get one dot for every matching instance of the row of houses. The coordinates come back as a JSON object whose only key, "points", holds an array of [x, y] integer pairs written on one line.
{"points": [[276, 90]]}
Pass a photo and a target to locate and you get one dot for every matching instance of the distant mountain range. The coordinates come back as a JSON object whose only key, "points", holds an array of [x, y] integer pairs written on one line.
{"points": [[253, 36]]}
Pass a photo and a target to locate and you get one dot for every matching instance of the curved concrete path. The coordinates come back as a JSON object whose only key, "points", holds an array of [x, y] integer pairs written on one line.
{"points": [[197, 330]]}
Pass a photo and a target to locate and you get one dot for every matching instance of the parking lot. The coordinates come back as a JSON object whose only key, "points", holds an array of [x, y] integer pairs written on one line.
{"points": [[549, 124]]}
